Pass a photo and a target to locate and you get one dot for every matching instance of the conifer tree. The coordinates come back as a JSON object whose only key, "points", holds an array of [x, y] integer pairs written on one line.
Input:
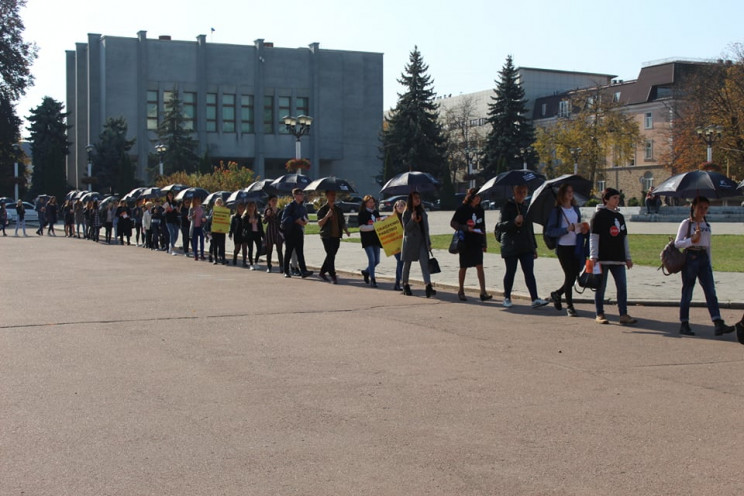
{"points": [[412, 138], [112, 166], [49, 147], [180, 153], [510, 131], [10, 134]]}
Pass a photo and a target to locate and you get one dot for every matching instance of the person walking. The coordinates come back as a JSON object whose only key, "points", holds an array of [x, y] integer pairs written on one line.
{"points": [[79, 213], [694, 237], [124, 214], [96, 221], [398, 209], [416, 243], [196, 230], [236, 233], [332, 226], [51, 215], [109, 222], [41, 213], [294, 219], [470, 219], [564, 224], [253, 232], [137, 212], [518, 246], [3, 218], [21, 218], [274, 236], [147, 224], [368, 215], [217, 244], [69, 219], [183, 210], [172, 221], [608, 246]]}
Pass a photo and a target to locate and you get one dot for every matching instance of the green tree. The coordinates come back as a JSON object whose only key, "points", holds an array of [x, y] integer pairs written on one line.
{"points": [[10, 134], [180, 153], [49, 147], [112, 166], [412, 138], [16, 56], [511, 131]]}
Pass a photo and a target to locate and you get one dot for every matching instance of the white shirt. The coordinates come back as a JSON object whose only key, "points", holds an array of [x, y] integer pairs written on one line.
{"points": [[569, 216]]}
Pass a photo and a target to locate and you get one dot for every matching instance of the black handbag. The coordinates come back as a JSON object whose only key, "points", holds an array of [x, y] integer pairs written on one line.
{"points": [[434, 265], [456, 243], [590, 279], [672, 259]]}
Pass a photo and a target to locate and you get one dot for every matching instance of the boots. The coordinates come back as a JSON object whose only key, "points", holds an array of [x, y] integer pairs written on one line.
{"points": [[430, 291], [684, 329], [407, 290], [373, 282], [235, 259], [722, 328]]}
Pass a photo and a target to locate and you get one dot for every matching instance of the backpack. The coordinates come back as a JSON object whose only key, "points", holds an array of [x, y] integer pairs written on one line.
{"points": [[672, 259], [549, 241]]}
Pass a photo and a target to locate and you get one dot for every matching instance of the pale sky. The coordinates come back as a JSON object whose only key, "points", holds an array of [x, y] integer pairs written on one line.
{"points": [[465, 43]]}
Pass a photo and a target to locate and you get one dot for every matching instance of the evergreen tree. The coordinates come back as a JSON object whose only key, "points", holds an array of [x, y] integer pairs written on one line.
{"points": [[16, 56], [10, 134], [412, 138], [112, 166], [510, 131], [49, 147], [180, 154]]}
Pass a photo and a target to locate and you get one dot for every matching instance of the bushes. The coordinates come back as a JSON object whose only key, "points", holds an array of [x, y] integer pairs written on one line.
{"points": [[224, 177]]}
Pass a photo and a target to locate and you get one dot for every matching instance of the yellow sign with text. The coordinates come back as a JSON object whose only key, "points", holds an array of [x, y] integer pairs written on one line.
{"points": [[220, 219], [390, 233]]}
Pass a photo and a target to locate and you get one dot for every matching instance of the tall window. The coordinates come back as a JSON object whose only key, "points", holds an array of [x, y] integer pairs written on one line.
{"points": [[648, 121], [268, 115], [189, 110], [152, 110], [649, 150], [564, 109], [228, 113], [601, 184], [284, 109], [211, 112], [303, 105], [246, 114]]}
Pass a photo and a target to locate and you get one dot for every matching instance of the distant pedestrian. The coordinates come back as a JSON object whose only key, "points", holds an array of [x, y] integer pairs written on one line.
{"points": [[183, 210], [368, 215], [20, 218], [608, 246], [69, 218], [137, 212], [197, 219], [294, 219], [398, 209], [3, 218], [332, 225], [40, 208], [471, 220], [274, 236], [172, 221], [147, 224], [218, 238], [79, 213], [51, 215], [236, 234], [694, 237], [124, 214], [110, 215], [253, 232], [416, 243]]}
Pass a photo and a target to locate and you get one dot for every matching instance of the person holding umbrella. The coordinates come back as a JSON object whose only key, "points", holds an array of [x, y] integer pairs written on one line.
{"points": [[294, 219], [694, 236], [416, 243], [236, 234], [172, 221], [608, 246], [253, 232], [470, 219], [274, 237], [332, 226], [196, 230], [518, 246]]}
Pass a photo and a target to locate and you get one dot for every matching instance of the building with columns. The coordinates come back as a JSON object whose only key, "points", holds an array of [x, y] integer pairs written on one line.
{"points": [[234, 98]]}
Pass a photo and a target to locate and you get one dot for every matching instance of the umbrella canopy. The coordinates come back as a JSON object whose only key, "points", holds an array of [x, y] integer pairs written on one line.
{"points": [[212, 197], [6, 200], [262, 186], [543, 200], [697, 183], [79, 194], [406, 182], [740, 188], [242, 196], [133, 195], [150, 193], [191, 193], [288, 182], [330, 183], [71, 194], [42, 197], [90, 196], [109, 199], [502, 184], [176, 188]]}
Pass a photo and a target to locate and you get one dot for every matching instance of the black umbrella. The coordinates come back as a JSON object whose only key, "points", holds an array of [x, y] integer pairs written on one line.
{"points": [[212, 197], [330, 183], [697, 183], [71, 194], [109, 199], [262, 186], [42, 197], [242, 196], [406, 182], [133, 195], [150, 193], [175, 188], [90, 196], [191, 193], [502, 184], [78, 195], [740, 188], [543, 200], [288, 182]]}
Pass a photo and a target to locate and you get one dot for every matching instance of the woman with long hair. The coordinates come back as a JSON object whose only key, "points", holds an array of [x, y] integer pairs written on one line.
{"points": [[20, 217], [274, 236], [368, 215], [470, 219], [253, 232], [416, 243], [172, 221], [197, 219], [694, 237], [398, 209], [236, 234], [51, 215]]}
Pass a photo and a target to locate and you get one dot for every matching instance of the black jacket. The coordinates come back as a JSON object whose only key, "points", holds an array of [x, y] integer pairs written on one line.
{"points": [[515, 240]]}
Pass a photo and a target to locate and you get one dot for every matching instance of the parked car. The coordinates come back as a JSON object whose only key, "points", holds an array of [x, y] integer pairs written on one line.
{"points": [[386, 205], [32, 216], [350, 205]]}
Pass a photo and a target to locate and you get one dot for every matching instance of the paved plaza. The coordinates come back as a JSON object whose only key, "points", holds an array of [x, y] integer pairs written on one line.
{"points": [[129, 372]]}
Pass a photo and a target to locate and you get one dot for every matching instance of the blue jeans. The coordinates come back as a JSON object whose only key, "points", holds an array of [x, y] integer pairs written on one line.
{"points": [[527, 261], [197, 235], [398, 268], [697, 266], [173, 234], [373, 259], [621, 284]]}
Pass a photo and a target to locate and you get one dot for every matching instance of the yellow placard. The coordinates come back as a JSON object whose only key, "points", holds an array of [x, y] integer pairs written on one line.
{"points": [[220, 219], [390, 233]]}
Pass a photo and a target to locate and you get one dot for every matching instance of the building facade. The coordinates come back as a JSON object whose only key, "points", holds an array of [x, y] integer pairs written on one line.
{"points": [[234, 99]]}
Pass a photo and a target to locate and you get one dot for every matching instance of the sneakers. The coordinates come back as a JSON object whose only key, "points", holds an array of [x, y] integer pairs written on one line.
{"points": [[507, 303], [571, 312], [722, 328], [627, 320], [539, 303], [556, 299], [600, 319], [684, 329]]}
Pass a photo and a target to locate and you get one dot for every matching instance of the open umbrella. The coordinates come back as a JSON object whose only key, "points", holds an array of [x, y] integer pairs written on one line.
{"points": [[262, 186], [242, 196], [697, 183], [212, 197], [288, 182], [190, 193], [133, 195], [330, 183], [406, 182], [175, 188], [109, 199], [740, 188], [71, 195], [42, 197], [502, 184], [90, 196], [543, 200], [150, 193]]}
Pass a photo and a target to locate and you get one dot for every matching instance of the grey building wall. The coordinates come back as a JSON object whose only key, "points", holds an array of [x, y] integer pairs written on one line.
{"points": [[344, 88]]}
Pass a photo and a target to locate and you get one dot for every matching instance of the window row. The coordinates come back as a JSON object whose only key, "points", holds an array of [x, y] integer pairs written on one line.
{"points": [[235, 112]]}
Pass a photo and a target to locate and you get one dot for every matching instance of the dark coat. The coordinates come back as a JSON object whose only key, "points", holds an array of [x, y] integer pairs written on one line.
{"points": [[515, 240], [414, 236]]}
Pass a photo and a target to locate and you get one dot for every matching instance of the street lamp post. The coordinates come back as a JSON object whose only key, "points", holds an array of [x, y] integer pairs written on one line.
{"points": [[15, 169], [89, 149], [160, 148], [575, 152], [298, 127], [523, 152], [709, 135]]}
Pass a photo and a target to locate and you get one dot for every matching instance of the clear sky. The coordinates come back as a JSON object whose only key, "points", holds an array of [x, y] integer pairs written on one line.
{"points": [[464, 43]]}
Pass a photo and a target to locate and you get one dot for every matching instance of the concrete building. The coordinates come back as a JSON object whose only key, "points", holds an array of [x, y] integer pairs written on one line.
{"points": [[235, 97]]}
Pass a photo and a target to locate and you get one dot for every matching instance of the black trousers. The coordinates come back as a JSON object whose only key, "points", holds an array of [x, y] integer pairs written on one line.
{"points": [[218, 242], [331, 246], [571, 268], [295, 242]]}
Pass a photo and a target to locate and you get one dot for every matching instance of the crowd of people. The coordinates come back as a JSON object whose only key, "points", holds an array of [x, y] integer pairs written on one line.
{"points": [[156, 225]]}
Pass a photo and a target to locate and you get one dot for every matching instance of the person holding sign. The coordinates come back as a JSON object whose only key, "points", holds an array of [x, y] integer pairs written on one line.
{"points": [[220, 225], [332, 226], [470, 219], [368, 215]]}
